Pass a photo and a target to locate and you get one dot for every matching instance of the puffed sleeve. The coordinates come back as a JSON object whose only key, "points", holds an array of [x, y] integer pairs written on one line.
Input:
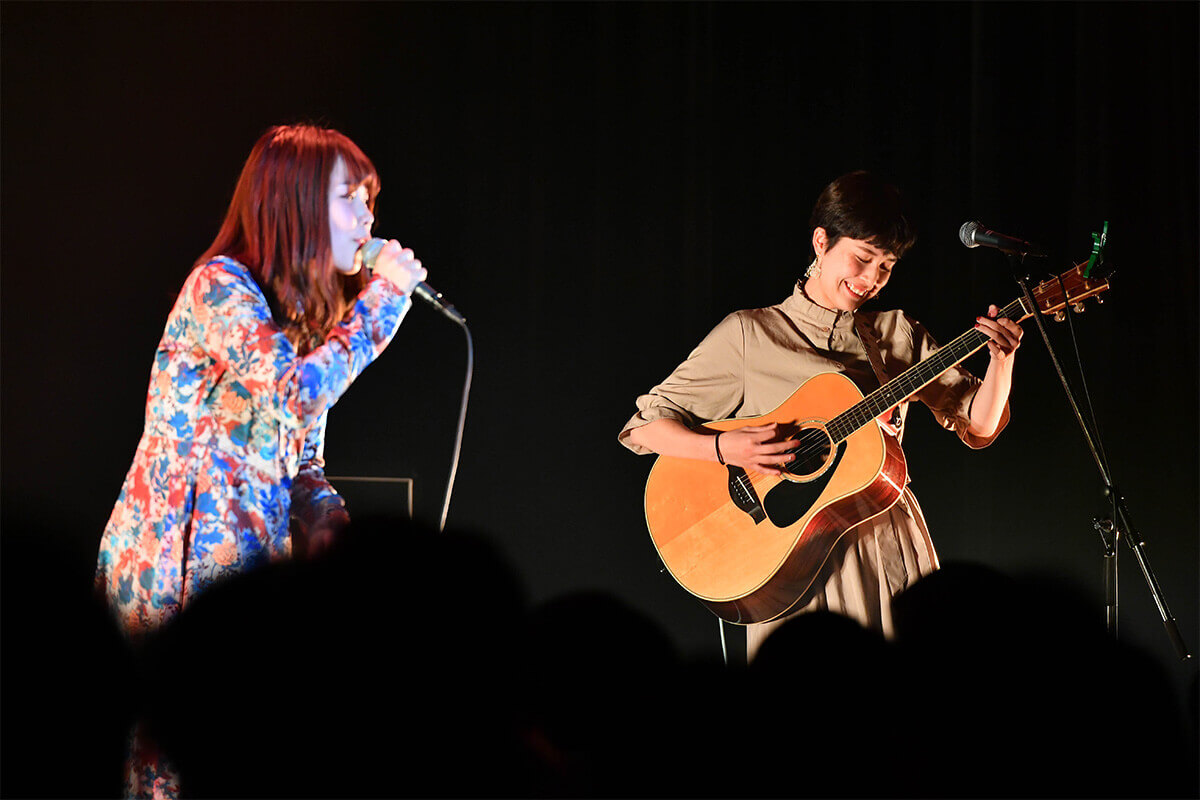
{"points": [[950, 396], [708, 385], [237, 331]]}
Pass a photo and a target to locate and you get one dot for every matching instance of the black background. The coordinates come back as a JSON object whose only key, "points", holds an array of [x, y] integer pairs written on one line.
{"points": [[595, 186]]}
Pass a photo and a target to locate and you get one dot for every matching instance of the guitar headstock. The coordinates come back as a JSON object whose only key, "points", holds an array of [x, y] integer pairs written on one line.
{"points": [[1071, 288]]}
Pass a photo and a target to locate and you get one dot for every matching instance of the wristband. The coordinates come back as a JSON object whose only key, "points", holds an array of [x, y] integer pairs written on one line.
{"points": [[717, 445]]}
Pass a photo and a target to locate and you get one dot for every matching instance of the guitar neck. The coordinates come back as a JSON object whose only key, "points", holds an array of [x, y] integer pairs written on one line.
{"points": [[916, 377]]}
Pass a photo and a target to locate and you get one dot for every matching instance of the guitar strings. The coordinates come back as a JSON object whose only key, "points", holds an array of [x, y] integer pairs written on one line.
{"points": [[886, 397], [916, 377]]}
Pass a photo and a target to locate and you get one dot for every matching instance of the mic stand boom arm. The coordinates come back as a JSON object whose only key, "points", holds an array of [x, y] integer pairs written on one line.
{"points": [[1122, 523]]}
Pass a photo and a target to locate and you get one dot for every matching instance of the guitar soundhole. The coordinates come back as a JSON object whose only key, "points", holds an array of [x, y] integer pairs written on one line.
{"points": [[813, 447]]}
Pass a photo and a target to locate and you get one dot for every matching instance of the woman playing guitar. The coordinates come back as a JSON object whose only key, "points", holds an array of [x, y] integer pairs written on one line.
{"points": [[754, 359]]}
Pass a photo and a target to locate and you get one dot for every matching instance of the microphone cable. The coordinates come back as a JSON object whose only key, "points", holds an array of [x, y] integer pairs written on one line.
{"points": [[366, 256], [462, 419]]}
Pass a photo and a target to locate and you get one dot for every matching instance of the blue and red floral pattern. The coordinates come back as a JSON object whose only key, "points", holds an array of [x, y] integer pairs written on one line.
{"points": [[235, 421]]}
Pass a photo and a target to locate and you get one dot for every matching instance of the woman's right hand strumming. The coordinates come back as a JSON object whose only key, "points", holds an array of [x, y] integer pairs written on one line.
{"points": [[400, 266], [754, 447], [757, 448]]}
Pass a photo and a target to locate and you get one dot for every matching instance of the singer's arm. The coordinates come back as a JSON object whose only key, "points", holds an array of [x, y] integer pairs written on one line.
{"points": [[232, 322], [988, 406], [318, 513]]}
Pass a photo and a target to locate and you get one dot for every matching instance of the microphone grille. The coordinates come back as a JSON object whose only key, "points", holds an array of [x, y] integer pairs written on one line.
{"points": [[369, 252], [966, 234]]}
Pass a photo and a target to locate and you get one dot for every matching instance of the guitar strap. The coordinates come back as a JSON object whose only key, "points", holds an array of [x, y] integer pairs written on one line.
{"points": [[871, 345]]}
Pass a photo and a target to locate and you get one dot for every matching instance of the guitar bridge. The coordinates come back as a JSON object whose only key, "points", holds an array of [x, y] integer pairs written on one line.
{"points": [[741, 492]]}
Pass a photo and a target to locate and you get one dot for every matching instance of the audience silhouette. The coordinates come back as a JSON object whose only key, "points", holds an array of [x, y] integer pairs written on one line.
{"points": [[409, 662], [68, 674]]}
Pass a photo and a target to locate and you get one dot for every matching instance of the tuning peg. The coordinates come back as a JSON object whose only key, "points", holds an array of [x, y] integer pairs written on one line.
{"points": [[1060, 315], [1078, 308]]}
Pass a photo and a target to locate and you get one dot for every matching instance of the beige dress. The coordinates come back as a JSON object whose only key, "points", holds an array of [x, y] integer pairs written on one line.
{"points": [[754, 360]]}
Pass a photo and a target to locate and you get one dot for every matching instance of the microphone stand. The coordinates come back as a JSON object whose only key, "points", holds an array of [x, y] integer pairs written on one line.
{"points": [[1120, 526]]}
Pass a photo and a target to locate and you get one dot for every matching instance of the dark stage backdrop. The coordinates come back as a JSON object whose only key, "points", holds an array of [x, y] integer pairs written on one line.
{"points": [[595, 186]]}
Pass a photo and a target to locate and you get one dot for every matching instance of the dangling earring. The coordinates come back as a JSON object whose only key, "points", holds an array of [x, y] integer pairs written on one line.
{"points": [[814, 269]]}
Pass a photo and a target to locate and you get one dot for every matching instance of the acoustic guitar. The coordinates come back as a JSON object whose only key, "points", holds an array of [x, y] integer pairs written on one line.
{"points": [[749, 545]]}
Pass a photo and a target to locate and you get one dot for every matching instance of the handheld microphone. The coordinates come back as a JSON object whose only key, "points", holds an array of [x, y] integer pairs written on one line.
{"points": [[369, 253], [973, 234]]}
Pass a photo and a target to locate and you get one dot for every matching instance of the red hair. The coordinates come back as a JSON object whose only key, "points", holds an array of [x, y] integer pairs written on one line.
{"points": [[278, 226]]}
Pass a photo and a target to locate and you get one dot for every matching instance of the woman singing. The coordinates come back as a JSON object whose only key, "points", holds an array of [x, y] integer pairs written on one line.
{"points": [[755, 359], [272, 325]]}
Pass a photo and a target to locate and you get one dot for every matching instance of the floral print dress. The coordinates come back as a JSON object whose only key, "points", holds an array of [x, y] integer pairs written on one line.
{"points": [[232, 443]]}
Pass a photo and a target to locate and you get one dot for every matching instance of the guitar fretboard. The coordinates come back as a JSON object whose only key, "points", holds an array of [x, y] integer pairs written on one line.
{"points": [[916, 377]]}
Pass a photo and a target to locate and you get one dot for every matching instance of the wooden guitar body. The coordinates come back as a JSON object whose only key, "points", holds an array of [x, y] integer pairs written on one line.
{"points": [[749, 545]]}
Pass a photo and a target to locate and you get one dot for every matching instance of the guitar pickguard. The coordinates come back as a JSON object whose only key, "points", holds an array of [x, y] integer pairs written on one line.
{"points": [[788, 501]]}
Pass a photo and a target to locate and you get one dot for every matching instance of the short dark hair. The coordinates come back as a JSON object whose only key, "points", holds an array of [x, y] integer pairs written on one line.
{"points": [[860, 205]]}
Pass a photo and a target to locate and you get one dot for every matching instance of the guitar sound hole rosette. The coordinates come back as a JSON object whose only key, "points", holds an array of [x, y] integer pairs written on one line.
{"points": [[814, 453]]}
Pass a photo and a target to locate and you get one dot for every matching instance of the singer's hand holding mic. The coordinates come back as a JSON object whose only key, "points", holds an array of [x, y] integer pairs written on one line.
{"points": [[401, 267], [398, 264]]}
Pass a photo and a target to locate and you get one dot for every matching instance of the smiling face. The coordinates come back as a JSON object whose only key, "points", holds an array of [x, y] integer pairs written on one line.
{"points": [[350, 218], [852, 272]]}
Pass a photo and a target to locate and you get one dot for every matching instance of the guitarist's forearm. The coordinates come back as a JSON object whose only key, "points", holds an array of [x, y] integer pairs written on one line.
{"points": [[987, 408], [670, 437]]}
